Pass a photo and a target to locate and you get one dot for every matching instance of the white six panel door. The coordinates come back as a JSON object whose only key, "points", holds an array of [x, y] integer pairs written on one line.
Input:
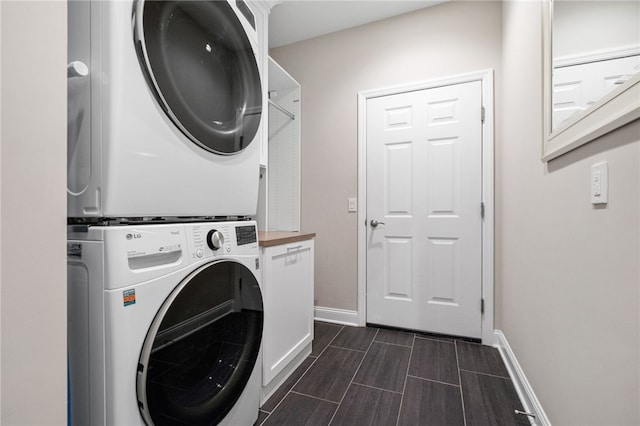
{"points": [[577, 87], [424, 183]]}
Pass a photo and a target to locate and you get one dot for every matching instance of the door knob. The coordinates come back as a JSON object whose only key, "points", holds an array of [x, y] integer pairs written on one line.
{"points": [[374, 223], [77, 69]]}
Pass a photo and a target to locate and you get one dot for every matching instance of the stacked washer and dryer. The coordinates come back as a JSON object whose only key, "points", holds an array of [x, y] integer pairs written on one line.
{"points": [[164, 131]]}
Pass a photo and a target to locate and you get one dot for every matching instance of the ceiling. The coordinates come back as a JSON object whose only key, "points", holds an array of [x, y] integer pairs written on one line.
{"points": [[297, 20]]}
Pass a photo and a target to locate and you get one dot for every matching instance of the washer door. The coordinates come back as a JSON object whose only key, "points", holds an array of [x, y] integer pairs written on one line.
{"points": [[201, 347], [202, 69]]}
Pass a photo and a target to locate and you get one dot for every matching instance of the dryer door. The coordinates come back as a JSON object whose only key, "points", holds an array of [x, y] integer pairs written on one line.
{"points": [[202, 347], [202, 69]]}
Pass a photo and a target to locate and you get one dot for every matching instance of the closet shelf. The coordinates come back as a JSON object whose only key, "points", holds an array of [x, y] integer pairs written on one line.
{"points": [[282, 109]]}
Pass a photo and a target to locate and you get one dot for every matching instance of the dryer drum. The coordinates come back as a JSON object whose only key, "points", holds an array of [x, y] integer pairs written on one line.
{"points": [[201, 347], [203, 71]]}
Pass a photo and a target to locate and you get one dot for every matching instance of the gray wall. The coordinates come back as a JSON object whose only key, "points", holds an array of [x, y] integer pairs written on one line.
{"points": [[332, 70], [567, 278], [33, 315]]}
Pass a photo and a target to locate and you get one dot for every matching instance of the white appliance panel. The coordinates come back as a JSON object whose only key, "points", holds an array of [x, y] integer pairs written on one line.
{"points": [[113, 307], [137, 162]]}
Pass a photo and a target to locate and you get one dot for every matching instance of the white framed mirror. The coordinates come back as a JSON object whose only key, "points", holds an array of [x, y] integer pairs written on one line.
{"points": [[591, 69]]}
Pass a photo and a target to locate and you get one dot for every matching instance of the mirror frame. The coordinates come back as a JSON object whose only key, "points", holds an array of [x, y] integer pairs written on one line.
{"points": [[617, 108]]}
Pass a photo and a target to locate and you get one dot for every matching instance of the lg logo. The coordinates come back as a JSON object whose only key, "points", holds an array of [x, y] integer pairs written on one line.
{"points": [[133, 236]]}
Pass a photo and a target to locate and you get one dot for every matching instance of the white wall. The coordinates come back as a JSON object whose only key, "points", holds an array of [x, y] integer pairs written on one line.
{"points": [[33, 385], [567, 273], [332, 69], [581, 27]]}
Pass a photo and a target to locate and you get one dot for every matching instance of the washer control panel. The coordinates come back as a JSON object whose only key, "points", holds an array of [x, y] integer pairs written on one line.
{"points": [[215, 239], [211, 239], [139, 253], [246, 234]]}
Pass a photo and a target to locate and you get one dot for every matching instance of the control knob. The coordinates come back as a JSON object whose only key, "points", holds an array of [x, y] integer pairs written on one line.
{"points": [[215, 239]]}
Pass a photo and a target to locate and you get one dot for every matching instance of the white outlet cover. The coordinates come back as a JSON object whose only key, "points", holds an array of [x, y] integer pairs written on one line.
{"points": [[599, 183]]}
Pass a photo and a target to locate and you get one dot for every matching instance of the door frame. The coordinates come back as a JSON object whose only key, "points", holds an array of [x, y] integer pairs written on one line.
{"points": [[486, 78]]}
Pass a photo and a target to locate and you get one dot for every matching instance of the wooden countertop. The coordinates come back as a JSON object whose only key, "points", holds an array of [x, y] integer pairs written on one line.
{"points": [[276, 238]]}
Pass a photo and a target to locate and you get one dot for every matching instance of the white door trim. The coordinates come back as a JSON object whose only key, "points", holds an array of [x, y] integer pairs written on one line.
{"points": [[486, 79]]}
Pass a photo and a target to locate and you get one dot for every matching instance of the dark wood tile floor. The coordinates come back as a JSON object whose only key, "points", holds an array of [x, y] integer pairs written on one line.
{"points": [[370, 376]]}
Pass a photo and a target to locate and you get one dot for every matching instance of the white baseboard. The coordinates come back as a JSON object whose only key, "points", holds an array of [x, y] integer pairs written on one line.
{"points": [[336, 316], [525, 392]]}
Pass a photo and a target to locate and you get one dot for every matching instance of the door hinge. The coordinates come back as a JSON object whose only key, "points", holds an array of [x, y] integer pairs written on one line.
{"points": [[482, 210], [482, 114], [482, 306]]}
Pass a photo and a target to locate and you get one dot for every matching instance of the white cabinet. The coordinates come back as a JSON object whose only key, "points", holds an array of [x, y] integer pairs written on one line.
{"points": [[287, 287]]}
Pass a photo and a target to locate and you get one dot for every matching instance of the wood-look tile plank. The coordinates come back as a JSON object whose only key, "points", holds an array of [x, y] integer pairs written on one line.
{"points": [[357, 338], [301, 410], [330, 376], [490, 400], [367, 406], [428, 403], [384, 366], [396, 337], [323, 334], [282, 391], [434, 360], [481, 359]]}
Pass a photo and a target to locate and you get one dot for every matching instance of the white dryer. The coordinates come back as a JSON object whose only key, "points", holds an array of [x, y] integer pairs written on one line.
{"points": [[165, 324], [165, 106]]}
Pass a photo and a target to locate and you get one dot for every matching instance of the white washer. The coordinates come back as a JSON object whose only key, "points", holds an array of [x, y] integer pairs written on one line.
{"points": [[165, 103], [165, 324]]}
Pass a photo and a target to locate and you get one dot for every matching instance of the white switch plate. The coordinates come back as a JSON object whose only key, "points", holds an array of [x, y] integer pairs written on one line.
{"points": [[599, 183], [353, 203]]}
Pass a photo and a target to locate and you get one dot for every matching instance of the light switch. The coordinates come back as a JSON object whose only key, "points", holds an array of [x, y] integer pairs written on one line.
{"points": [[599, 183], [353, 204]]}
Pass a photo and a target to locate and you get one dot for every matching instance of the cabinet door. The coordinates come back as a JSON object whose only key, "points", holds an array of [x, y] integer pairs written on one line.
{"points": [[288, 304]]}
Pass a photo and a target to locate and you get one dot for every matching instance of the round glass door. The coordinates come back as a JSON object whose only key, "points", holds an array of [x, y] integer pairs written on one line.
{"points": [[202, 347], [203, 71]]}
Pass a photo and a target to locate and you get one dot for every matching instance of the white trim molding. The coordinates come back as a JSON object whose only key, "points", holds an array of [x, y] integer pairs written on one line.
{"points": [[336, 316], [596, 56], [486, 79], [527, 396]]}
